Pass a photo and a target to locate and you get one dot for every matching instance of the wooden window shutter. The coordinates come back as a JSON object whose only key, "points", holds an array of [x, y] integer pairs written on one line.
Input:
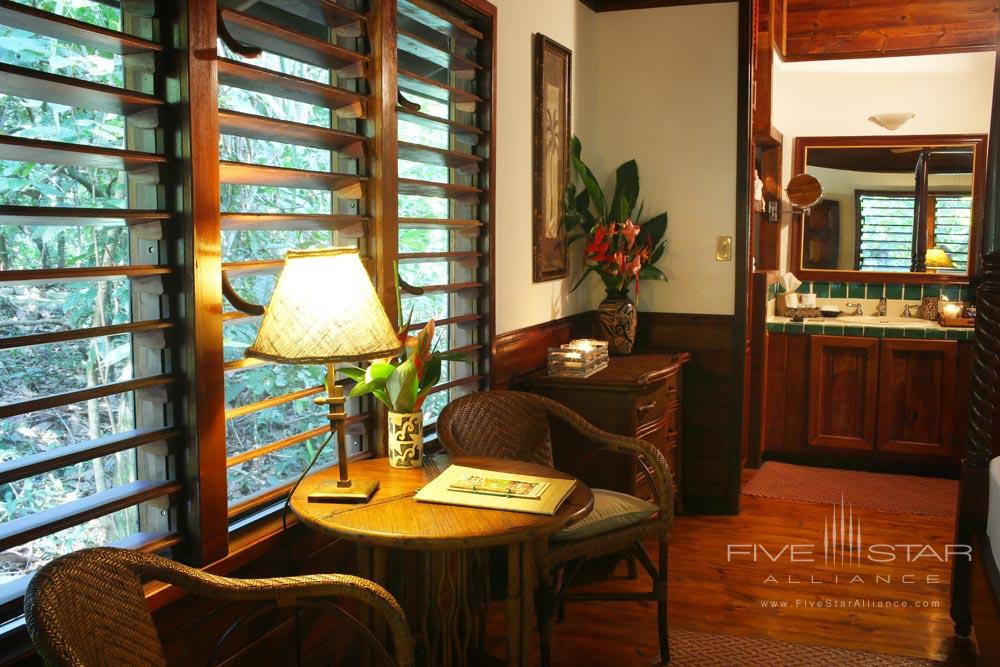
{"points": [[89, 408]]}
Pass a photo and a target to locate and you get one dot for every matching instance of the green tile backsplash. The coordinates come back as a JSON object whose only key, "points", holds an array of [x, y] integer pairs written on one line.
{"points": [[856, 290], [891, 291]]}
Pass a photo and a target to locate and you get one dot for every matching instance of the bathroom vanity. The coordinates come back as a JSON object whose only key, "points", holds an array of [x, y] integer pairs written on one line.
{"points": [[879, 393]]}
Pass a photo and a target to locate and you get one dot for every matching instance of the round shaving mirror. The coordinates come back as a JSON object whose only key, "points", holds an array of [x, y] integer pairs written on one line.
{"points": [[804, 192]]}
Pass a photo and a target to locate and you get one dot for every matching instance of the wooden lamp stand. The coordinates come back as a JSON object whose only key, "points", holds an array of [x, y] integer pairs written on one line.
{"points": [[346, 489]]}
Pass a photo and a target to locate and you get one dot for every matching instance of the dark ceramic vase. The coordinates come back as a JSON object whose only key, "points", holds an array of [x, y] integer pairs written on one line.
{"points": [[617, 317]]}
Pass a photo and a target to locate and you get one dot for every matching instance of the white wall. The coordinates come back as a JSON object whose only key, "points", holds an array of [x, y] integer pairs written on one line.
{"points": [[519, 301], [658, 85], [950, 94], [666, 96]]}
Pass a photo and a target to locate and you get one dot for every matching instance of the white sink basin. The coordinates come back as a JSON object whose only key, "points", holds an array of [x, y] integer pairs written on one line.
{"points": [[873, 321]]}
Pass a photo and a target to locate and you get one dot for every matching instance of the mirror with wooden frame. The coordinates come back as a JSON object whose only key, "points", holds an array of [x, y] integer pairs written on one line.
{"points": [[900, 209]]}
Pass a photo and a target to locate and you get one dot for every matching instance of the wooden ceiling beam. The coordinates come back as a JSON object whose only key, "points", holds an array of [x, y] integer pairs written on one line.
{"points": [[621, 5]]}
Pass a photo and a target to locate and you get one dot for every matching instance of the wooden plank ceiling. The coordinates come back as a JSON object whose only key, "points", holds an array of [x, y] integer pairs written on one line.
{"points": [[827, 29], [832, 29]]}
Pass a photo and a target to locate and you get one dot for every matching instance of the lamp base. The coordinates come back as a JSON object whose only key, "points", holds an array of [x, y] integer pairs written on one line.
{"points": [[355, 491]]}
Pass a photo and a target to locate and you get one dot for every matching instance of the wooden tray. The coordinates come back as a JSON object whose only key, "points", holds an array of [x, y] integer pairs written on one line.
{"points": [[967, 322]]}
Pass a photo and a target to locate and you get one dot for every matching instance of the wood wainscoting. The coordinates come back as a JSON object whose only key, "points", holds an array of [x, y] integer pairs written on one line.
{"points": [[711, 392], [712, 398], [522, 351], [189, 626]]}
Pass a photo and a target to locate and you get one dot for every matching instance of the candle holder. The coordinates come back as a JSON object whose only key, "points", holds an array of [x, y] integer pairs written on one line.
{"points": [[955, 314], [578, 358]]}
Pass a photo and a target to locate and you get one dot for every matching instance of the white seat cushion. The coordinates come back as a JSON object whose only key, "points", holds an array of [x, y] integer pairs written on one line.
{"points": [[611, 510]]}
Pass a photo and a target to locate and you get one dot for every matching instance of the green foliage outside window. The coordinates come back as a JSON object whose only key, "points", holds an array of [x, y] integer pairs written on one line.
{"points": [[31, 372]]}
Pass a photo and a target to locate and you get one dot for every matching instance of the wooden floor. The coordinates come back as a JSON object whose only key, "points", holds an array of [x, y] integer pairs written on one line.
{"points": [[709, 594]]}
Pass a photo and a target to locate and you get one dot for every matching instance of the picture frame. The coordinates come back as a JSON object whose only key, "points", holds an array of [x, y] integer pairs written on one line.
{"points": [[552, 117]]}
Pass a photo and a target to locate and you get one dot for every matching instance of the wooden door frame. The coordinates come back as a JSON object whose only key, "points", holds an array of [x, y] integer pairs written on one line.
{"points": [[742, 330]]}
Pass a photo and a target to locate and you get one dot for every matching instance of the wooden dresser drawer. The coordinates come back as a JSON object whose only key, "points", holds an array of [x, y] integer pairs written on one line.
{"points": [[639, 396], [650, 405], [643, 489], [672, 388], [664, 433], [653, 403]]}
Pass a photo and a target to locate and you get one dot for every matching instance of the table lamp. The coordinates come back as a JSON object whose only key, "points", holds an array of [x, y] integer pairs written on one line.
{"points": [[937, 258], [324, 309]]}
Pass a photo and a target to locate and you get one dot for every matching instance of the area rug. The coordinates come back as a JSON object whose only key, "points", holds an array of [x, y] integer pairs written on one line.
{"points": [[702, 649], [902, 494]]}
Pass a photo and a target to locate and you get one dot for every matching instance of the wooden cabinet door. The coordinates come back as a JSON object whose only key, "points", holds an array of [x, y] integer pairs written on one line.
{"points": [[821, 237], [916, 396], [843, 383]]}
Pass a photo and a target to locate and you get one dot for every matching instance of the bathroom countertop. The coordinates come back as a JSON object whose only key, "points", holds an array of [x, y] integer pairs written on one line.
{"points": [[833, 326]]}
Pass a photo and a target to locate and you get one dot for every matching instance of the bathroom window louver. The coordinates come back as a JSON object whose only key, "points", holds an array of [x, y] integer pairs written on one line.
{"points": [[885, 229], [88, 280], [444, 81], [293, 173]]}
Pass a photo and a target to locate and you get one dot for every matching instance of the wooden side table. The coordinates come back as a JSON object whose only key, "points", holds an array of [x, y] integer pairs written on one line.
{"points": [[637, 395], [454, 541]]}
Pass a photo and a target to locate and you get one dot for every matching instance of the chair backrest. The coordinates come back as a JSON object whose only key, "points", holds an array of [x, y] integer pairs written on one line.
{"points": [[88, 608], [500, 424]]}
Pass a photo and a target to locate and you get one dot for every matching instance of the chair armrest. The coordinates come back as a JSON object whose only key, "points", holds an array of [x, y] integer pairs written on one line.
{"points": [[286, 591], [635, 448]]}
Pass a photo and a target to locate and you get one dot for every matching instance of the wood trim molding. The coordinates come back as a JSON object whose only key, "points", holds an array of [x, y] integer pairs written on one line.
{"points": [[522, 351], [622, 5], [979, 142], [207, 526]]}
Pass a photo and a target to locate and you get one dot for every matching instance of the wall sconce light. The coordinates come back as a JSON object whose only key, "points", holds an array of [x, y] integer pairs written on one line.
{"points": [[892, 121]]}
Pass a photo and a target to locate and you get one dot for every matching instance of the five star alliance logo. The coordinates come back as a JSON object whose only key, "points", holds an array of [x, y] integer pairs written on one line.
{"points": [[842, 537]]}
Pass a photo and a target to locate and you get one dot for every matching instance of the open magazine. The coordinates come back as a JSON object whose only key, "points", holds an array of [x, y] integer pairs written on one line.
{"points": [[499, 486], [491, 489]]}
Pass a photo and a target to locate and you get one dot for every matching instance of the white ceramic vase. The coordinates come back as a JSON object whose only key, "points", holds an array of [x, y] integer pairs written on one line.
{"points": [[406, 439]]}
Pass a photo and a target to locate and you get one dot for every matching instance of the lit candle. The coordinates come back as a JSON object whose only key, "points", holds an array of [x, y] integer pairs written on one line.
{"points": [[952, 310]]}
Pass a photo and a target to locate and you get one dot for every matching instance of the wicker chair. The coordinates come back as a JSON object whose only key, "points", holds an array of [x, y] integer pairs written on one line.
{"points": [[517, 425], [88, 607]]}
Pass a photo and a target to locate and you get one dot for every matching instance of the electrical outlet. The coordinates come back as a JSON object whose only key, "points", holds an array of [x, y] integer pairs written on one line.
{"points": [[724, 248]]}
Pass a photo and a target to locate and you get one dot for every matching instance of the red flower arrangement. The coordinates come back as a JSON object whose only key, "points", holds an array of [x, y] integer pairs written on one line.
{"points": [[618, 252]]}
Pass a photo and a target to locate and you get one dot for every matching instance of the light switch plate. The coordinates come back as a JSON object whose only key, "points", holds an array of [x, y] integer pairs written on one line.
{"points": [[724, 248]]}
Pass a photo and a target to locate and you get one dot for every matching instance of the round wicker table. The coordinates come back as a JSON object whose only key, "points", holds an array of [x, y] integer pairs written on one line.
{"points": [[451, 590]]}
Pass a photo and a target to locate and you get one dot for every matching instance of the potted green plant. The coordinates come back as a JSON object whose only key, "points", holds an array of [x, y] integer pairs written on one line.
{"points": [[619, 250], [402, 385]]}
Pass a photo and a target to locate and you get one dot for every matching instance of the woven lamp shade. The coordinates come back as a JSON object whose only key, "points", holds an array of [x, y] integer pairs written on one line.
{"points": [[937, 258], [324, 309]]}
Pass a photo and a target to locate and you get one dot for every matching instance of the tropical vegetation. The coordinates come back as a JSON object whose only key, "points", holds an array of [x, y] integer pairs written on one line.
{"points": [[620, 249]]}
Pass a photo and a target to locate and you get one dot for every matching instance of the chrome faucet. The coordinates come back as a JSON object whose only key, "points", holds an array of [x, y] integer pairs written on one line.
{"points": [[880, 308], [856, 307]]}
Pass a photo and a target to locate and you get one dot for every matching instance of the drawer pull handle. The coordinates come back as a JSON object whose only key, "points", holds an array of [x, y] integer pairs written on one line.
{"points": [[671, 391], [646, 408]]}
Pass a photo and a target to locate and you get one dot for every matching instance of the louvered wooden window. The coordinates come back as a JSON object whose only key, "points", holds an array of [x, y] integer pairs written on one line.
{"points": [[293, 175], [88, 285], [444, 168], [885, 229], [120, 203]]}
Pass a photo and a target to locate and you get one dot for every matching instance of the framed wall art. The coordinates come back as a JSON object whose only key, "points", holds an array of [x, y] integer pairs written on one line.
{"points": [[553, 80]]}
